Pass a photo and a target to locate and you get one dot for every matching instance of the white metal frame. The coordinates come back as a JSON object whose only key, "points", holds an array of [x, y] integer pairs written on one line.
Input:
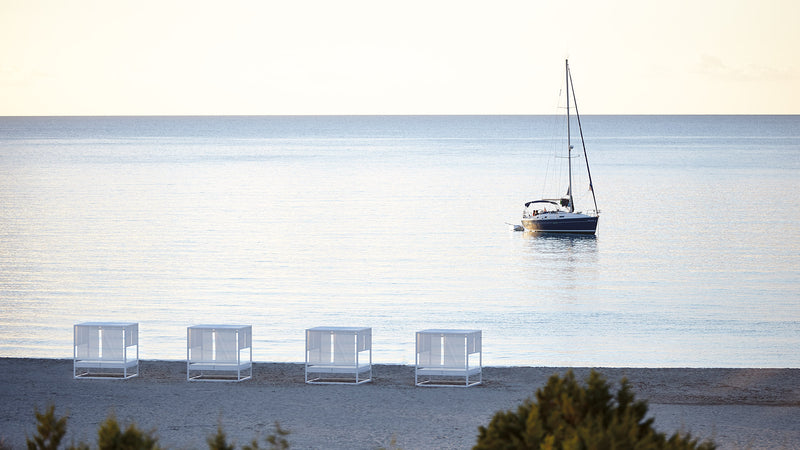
{"points": [[448, 358], [105, 350], [219, 353], [336, 355]]}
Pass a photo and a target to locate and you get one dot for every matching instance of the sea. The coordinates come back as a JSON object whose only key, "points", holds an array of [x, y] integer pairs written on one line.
{"points": [[403, 223]]}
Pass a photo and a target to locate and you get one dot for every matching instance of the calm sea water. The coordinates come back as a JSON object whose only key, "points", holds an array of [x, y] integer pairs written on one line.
{"points": [[398, 223]]}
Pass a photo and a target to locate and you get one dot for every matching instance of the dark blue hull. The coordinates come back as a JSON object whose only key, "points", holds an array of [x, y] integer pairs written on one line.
{"points": [[580, 225]]}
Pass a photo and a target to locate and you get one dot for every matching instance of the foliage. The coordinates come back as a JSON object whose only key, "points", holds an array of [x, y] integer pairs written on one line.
{"points": [[49, 429], [111, 437], [276, 441], [219, 441], [392, 444], [566, 415]]}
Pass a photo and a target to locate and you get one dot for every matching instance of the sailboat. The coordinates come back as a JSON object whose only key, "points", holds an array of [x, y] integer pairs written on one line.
{"points": [[558, 215]]}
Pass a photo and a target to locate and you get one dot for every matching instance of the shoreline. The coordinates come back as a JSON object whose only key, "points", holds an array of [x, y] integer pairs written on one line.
{"points": [[737, 408]]}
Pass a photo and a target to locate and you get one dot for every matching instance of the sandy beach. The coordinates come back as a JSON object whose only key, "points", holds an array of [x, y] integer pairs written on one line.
{"points": [[737, 408]]}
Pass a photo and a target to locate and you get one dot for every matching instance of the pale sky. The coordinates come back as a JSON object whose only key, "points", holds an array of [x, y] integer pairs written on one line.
{"points": [[119, 57]]}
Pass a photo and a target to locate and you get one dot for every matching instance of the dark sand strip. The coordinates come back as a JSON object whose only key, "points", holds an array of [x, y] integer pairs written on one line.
{"points": [[738, 408]]}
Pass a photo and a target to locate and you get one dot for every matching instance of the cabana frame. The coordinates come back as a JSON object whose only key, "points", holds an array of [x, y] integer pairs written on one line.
{"points": [[105, 350], [448, 358], [338, 355], [219, 353]]}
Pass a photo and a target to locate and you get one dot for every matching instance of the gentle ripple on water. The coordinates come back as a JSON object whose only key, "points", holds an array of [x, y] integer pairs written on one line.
{"points": [[398, 223]]}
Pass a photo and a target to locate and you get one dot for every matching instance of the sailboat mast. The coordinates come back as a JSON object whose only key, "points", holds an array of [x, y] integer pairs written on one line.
{"points": [[569, 144], [583, 143]]}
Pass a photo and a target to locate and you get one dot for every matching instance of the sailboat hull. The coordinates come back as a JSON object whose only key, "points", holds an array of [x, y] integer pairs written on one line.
{"points": [[578, 225], [539, 215]]}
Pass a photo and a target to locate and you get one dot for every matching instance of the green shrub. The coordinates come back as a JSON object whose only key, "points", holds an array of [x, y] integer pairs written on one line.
{"points": [[111, 437], [566, 415], [219, 441], [276, 441], [49, 430]]}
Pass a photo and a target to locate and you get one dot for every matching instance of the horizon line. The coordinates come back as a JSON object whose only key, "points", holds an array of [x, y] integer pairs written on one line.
{"points": [[402, 115]]}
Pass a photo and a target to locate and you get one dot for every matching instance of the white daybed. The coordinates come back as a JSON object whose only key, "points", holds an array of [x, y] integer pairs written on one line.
{"points": [[105, 350], [448, 358], [219, 353], [338, 355]]}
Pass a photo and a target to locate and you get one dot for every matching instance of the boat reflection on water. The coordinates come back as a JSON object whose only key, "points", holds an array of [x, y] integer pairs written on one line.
{"points": [[560, 259], [554, 242]]}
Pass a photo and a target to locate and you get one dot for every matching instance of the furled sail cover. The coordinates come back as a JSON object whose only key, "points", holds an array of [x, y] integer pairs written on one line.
{"points": [[541, 201]]}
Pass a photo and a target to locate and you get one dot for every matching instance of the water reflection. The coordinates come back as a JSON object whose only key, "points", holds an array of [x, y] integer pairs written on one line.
{"points": [[567, 244], [561, 263]]}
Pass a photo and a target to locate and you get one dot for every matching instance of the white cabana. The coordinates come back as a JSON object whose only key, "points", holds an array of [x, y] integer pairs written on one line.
{"points": [[337, 355], [107, 350], [448, 358], [219, 352]]}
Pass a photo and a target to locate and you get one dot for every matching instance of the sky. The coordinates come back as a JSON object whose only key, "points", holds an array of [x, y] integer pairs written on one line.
{"points": [[286, 57]]}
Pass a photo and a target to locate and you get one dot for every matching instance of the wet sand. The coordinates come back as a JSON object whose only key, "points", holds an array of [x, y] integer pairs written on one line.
{"points": [[737, 408]]}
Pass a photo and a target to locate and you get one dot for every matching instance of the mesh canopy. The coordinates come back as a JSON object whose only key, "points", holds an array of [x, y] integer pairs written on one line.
{"points": [[336, 345], [218, 343], [427, 353], [344, 348], [219, 353], [364, 342], [227, 345], [245, 337], [336, 355], [201, 344], [454, 351], [106, 350], [113, 343], [131, 336], [87, 342], [106, 341], [446, 348], [319, 349], [448, 358], [473, 343]]}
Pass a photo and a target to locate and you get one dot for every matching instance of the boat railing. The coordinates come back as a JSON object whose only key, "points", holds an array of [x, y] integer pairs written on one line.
{"points": [[534, 213]]}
